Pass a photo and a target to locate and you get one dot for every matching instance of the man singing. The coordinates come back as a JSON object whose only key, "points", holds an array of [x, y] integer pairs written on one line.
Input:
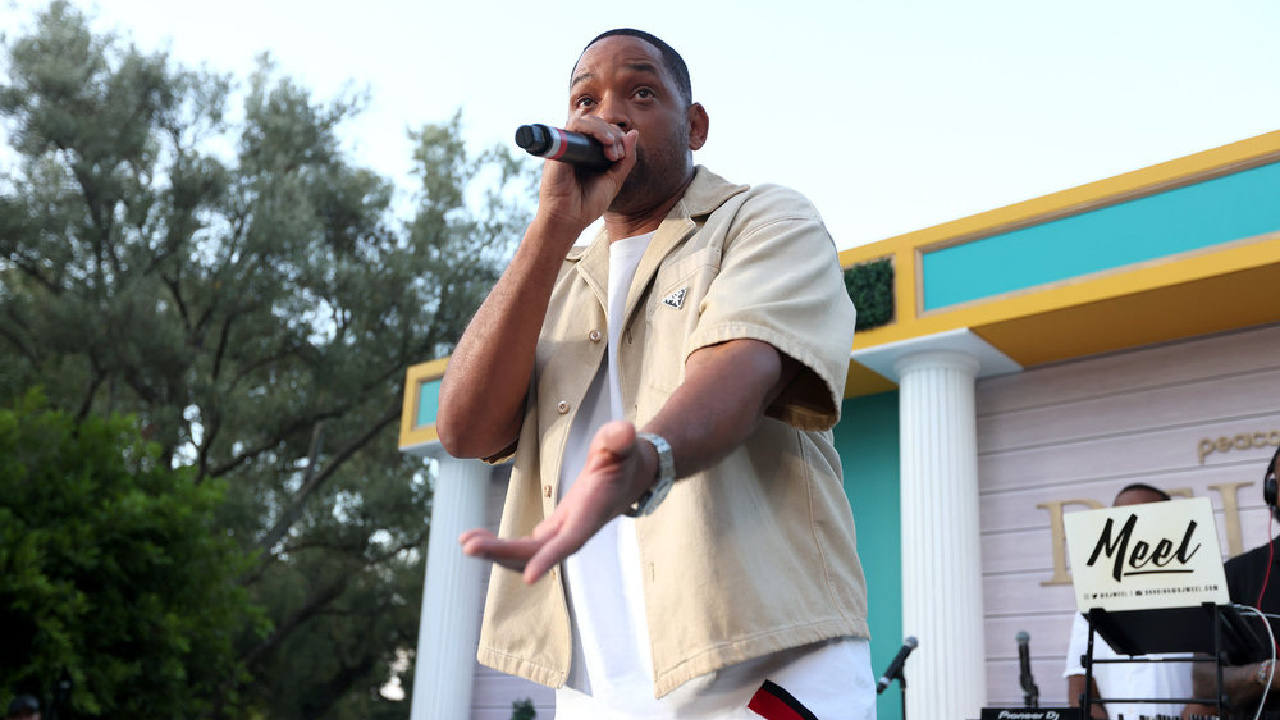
{"points": [[676, 541]]}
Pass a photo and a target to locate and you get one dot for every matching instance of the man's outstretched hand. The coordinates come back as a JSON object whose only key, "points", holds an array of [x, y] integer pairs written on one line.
{"points": [[618, 470]]}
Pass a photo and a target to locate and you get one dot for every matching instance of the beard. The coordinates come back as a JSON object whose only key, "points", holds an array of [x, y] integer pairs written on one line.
{"points": [[653, 178], [634, 187]]}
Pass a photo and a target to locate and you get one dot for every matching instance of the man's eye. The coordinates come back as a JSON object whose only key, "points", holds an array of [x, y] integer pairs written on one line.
{"points": [[583, 102], [644, 93]]}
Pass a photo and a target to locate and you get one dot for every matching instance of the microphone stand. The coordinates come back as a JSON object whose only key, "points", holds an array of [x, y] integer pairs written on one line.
{"points": [[896, 671], [901, 677], [1031, 696], [1030, 691], [902, 688]]}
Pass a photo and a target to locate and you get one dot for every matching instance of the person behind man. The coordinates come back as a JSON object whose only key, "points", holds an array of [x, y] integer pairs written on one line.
{"points": [[1125, 680], [696, 351], [1252, 579]]}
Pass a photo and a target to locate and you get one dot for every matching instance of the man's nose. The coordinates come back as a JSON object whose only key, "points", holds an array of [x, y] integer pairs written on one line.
{"points": [[613, 110]]}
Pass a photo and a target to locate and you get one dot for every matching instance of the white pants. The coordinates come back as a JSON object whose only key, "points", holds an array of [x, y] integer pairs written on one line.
{"points": [[833, 680]]}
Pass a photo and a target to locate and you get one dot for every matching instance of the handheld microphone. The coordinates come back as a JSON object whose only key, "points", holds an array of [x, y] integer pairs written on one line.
{"points": [[1030, 693], [894, 671], [553, 143]]}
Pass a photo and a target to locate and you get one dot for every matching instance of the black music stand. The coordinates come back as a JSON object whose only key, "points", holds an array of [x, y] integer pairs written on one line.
{"points": [[1216, 631]]}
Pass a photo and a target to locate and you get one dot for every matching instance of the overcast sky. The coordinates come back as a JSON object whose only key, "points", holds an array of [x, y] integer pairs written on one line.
{"points": [[890, 116]]}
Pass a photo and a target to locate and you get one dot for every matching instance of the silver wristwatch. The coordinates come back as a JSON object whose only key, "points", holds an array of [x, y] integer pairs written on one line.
{"points": [[654, 496]]}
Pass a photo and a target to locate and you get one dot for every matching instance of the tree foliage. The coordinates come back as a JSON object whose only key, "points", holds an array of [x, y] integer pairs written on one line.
{"points": [[244, 287], [96, 533]]}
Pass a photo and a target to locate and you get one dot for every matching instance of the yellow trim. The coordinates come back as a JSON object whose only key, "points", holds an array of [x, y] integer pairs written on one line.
{"points": [[1193, 294], [1197, 293], [1047, 323], [859, 381], [1203, 165], [410, 434], [1167, 272], [1082, 279]]}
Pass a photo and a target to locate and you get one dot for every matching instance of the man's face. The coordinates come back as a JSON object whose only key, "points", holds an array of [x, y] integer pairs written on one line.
{"points": [[623, 81]]}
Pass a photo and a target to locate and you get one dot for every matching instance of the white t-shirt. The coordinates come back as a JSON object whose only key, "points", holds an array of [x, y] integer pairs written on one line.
{"points": [[1128, 680], [611, 676]]}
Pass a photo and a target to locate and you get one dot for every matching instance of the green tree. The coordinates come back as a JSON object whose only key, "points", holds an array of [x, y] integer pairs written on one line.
{"points": [[96, 532], [245, 289]]}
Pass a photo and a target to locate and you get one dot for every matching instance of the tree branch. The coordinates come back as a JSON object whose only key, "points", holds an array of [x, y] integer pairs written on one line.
{"points": [[16, 341], [273, 441], [94, 384], [176, 293], [317, 705], [313, 606], [32, 272], [299, 499]]}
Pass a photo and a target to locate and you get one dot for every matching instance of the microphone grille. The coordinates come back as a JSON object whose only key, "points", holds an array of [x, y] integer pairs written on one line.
{"points": [[910, 641], [1022, 636]]}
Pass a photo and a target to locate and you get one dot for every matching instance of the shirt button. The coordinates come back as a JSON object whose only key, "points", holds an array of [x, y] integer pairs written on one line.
{"points": [[562, 407], [595, 336], [546, 490]]}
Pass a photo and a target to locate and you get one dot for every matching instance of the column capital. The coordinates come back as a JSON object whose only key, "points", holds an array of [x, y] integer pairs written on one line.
{"points": [[886, 359], [937, 360]]}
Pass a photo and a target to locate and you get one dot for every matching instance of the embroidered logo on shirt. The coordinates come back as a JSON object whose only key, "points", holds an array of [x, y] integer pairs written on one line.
{"points": [[675, 299]]}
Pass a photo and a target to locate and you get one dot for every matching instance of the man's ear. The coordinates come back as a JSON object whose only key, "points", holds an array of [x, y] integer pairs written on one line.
{"points": [[698, 123]]}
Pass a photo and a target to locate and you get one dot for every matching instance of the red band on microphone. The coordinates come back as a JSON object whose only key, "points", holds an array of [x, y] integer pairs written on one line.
{"points": [[558, 144]]}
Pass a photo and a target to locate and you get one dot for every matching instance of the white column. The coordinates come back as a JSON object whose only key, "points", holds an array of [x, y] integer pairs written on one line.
{"points": [[451, 599], [941, 558]]}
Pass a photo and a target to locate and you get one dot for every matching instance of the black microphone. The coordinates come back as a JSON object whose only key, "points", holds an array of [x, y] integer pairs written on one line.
{"points": [[894, 670], [1030, 693], [553, 143]]}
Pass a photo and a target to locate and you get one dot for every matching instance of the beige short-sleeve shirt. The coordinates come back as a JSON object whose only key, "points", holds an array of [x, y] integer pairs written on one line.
{"points": [[756, 554]]}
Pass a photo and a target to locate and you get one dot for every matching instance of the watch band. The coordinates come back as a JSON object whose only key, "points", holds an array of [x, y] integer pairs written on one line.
{"points": [[654, 496]]}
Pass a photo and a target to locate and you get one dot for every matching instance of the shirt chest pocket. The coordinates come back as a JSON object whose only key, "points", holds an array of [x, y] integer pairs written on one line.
{"points": [[671, 317]]}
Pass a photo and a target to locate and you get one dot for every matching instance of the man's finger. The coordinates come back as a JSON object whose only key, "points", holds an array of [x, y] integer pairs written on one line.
{"points": [[474, 534], [552, 553], [610, 136], [550, 526], [512, 554], [623, 153]]}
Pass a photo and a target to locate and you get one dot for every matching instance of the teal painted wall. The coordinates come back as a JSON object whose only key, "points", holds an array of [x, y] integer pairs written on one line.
{"points": [[428, 401], [1197, 216], [867, 440]]}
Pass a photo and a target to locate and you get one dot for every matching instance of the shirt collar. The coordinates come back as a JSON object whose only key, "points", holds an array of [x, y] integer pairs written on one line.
{"points": [[705, 193]]}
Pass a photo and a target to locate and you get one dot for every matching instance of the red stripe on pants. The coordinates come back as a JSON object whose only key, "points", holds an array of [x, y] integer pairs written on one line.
{"points": [[771, 707]]}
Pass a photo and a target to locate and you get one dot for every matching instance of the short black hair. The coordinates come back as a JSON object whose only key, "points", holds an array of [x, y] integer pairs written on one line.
{"points": [[1143, 487], [670, 58]]}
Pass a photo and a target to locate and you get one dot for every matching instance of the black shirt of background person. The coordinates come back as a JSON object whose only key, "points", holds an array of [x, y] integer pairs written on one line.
{"points": [[1245, 574]]}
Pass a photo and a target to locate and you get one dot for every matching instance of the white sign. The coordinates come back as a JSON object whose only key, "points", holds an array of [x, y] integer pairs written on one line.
{"points": [[1140, 557]]}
